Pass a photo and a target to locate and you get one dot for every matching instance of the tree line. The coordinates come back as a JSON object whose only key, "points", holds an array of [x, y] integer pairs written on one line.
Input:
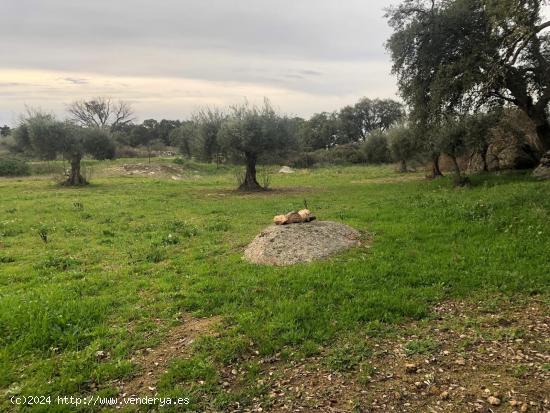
{"points": [[243, 133], [463, 66]]}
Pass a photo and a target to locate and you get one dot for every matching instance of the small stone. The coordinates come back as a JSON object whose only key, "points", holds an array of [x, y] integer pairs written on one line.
{"points": [[444, 395], [513, 403], [460, 362], [410, 368], [494, 401], [524, 407]]}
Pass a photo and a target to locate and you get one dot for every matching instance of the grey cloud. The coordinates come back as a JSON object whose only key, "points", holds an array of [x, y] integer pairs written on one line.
{"points": [[75, 81]]}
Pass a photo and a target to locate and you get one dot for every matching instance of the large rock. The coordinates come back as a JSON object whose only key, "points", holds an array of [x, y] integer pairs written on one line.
{"points": [[543, 170], [306, 242]]}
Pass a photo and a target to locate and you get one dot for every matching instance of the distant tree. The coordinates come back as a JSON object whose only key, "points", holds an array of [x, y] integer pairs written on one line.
{"points": [[451, 139], [320, 131], [376, 148], [98, 143], [250, 131], [47, 137], [5, 130], [356, 122], [145, 135], [349, 126], [377, 114], [208, 122], [478, 134], [21, 138], [165, 128], [184, 138], [403, 145], [101, 113], [454, 55]]}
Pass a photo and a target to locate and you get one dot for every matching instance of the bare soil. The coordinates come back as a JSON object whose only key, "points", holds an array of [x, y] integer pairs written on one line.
{"points": [[174, 172], [154, 361], [483, 361]]}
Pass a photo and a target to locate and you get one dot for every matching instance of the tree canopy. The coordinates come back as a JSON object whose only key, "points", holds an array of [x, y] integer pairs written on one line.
{"points": [[250, 131], [456, 56]]}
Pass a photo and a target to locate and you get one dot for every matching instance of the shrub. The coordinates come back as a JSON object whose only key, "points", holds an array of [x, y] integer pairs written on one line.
{"points": [[376, 148], [13, 167]]}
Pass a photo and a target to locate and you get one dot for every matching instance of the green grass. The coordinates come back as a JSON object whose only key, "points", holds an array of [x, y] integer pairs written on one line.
{"points": [[126, 257]]}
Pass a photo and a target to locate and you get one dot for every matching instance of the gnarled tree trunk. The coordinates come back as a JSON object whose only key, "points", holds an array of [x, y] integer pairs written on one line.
{"points": [[75, 177], [250, 182], [458, 179], [403, 166], [542, 127], [436, 171]]}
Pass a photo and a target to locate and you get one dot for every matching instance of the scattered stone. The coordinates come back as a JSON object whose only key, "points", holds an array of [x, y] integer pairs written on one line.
{"points": [[493, 401], [460, 362], [410, 368], [444, 395], [543, 170]]}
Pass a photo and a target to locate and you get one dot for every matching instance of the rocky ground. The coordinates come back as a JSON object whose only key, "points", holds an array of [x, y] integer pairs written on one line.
{"points": [[467, 359]]}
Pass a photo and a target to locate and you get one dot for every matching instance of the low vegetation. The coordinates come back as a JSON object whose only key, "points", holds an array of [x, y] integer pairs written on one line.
{"points": [[91, 277]]}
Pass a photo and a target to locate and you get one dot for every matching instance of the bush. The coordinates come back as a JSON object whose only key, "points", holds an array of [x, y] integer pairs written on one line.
{"points": [[99, 144], [13, 167], [376, 148]]}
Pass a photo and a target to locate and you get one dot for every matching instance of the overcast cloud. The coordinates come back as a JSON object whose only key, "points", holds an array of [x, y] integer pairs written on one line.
{"points": [[169, 57]]}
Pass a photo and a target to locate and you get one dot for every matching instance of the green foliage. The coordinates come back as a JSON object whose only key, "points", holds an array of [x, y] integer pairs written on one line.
{"points": [[98, 143], [13, 167], [250, 131], [376, 148], [403, 143], [498, 55]]}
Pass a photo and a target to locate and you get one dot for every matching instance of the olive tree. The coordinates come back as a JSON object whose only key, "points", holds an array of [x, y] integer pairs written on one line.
{"points": [[403, 145], [47, 137], [250, 132]]}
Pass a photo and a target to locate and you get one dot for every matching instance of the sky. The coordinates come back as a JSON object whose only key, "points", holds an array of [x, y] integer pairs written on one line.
{"points": [[169, 58]]}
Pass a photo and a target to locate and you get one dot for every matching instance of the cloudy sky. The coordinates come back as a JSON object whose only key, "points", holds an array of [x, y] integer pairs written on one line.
{"points": [[170, 57]]}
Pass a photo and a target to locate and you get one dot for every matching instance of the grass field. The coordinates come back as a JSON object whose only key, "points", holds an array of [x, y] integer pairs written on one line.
{"points": [[128, 258]]}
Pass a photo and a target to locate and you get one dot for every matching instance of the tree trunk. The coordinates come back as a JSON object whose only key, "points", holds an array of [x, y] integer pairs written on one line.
{"points": [[483, 154], [543, 130], [458, 179], [250, 183], [75, 177], [436, 171], [403, 166]]}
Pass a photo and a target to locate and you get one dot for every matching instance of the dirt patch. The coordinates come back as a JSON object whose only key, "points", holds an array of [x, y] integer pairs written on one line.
{"points": [[295, 243], [267, 193], [174, 172], [465, 359], [154, 361], [390, 180]]}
